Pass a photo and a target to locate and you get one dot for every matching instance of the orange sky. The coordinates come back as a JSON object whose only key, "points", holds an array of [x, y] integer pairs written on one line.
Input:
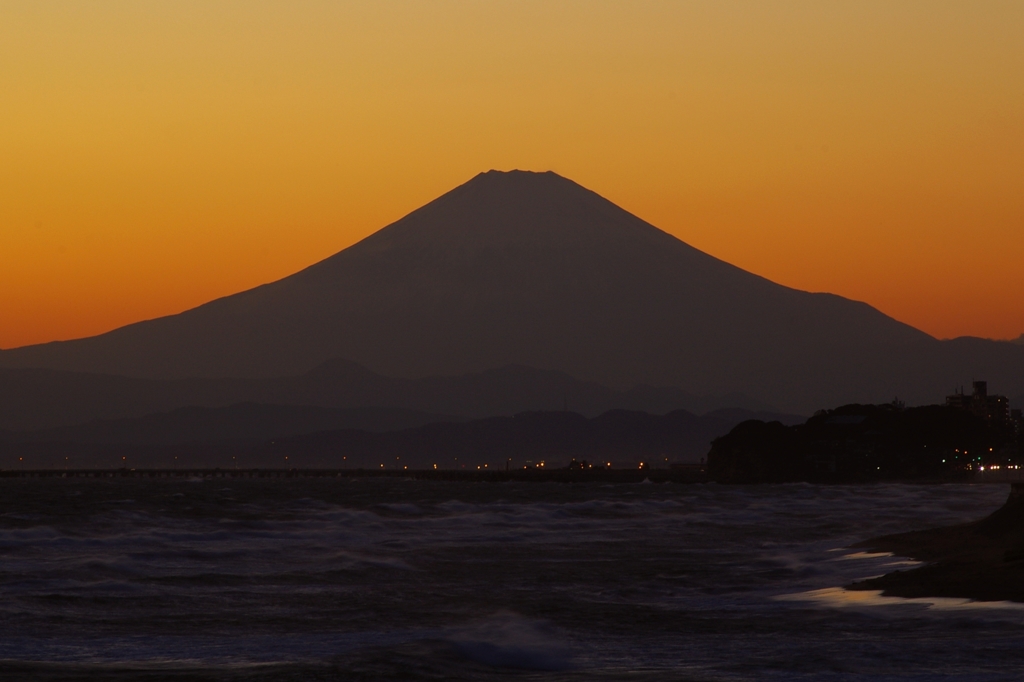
{"points": [[155, 155]]}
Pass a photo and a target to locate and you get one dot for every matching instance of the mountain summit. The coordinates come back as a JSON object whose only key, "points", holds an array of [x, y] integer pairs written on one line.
{"points": [[533, 269]]}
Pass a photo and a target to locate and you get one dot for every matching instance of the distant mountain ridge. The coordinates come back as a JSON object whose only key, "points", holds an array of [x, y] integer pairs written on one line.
{"points": [[46, 399], [238, 422], [251, 435], [531, 269]]}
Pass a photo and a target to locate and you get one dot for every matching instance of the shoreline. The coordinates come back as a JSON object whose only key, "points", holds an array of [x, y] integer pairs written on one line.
{"points": [[687, 475], [981, 560]]}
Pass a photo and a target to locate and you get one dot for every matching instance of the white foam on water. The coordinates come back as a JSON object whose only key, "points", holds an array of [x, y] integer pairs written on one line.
{"points": [[509, 640], [646, 577], [839, 597], [865, 555]]}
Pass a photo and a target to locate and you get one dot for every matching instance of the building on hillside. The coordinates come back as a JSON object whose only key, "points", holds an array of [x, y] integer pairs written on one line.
{"points": [[994, 409]]}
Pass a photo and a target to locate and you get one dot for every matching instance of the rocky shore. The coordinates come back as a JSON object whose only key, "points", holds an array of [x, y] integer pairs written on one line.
{"points": [[982, 560]]}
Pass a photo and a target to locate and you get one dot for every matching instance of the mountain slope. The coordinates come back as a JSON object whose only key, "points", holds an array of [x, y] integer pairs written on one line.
{"points": [[532, 269]]}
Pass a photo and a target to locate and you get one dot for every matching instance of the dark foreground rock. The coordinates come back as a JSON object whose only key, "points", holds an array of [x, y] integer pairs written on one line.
{"points": [[983, 560]]}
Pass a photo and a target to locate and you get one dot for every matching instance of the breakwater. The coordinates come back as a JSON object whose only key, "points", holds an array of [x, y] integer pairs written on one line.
{"points": [[679, 475]]}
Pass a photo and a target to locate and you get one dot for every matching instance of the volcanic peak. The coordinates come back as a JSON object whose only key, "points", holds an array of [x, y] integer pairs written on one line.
{"points": [[498, 209]]}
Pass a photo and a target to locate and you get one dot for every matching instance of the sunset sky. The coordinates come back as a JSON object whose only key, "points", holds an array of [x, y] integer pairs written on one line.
{"points": [[156, 155]]}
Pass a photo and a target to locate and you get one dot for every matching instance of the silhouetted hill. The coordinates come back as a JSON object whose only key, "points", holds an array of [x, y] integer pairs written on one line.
{"points": [[225, 438], [37, 399], [532, 269], [863, 443]]}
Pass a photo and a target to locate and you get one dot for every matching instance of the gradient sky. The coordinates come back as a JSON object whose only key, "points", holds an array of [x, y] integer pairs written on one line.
{"points": [[156, 155]]}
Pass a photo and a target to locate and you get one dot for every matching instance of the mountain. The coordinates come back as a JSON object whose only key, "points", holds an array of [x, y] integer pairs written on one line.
{"points": [[33, 399], [532, 269]]}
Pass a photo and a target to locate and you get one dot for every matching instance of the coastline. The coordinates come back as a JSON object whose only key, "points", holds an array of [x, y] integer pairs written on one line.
{"points": [[688, 474], [981, 560]]}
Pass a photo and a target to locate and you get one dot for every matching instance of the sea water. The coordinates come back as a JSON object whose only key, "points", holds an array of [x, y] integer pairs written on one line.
{"points": [[378, 579]]}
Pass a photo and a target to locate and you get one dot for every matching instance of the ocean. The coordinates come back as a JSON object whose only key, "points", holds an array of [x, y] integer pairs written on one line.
{"points": [[389, 579]]}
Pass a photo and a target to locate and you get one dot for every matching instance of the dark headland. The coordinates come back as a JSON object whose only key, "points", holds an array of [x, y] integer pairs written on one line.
{"points": [[982, 560]]}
